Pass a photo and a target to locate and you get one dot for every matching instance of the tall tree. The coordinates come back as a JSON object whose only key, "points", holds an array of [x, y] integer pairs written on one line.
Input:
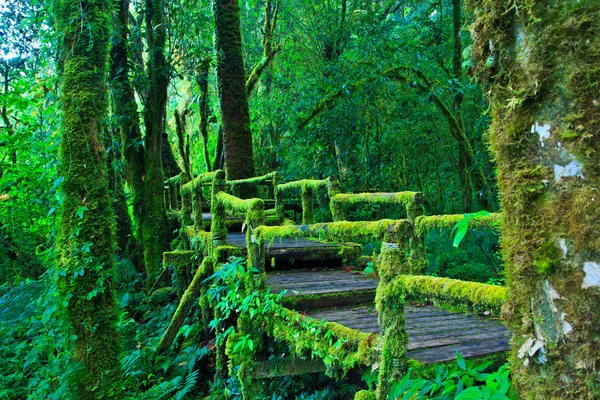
{"points": [[125, 110], [87, 240], [540, 61], [155, 231], [233, 94]]}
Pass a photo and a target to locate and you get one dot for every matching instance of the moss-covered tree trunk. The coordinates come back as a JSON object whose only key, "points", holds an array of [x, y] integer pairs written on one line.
{"points": [[155, 231], [87, 241], [125, 110], [233, 96], [124, 232], [540, 61], [202, 81]]}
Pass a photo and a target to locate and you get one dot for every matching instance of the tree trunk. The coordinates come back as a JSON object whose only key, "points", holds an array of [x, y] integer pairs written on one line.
{"points": [[540, 61], [233, 96], [125, 109], [202, 81], [87, 240], [124, 232], [155, 231], [465, 160]]}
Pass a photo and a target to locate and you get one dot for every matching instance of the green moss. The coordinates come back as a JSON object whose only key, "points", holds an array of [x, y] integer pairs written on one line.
{"points": [[86, 245], [223, 253], [451, 291], [394, 339], [365, 395], [191, 293], [199, 181], [542, 73], [316, 300], [304, 183], [426, 223], [308, 216], [412, 201], [322, 340], [343, 230], [270, 177]]}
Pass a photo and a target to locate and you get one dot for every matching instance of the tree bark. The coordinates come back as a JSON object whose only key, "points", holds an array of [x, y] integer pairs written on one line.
{"points": [[540, 61], [233, 96], [87, 240], [202, 81], [125, 109], [155, 232]]}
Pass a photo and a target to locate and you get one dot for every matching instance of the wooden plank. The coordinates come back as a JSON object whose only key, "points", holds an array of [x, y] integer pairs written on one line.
{"points": [[329, 300], [467, 350], [324, 290], [438, 342], [339, 285]]}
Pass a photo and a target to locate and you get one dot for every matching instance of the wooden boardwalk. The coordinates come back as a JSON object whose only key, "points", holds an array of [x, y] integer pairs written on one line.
{"points": [[299, 249], [434, 334]]}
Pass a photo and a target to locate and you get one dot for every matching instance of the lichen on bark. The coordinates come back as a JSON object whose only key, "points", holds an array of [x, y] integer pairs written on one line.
{"points": [[540, 62]]}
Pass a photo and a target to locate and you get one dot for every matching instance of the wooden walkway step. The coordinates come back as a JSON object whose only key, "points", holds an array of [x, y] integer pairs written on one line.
{"points": [[434, 334], [322, 288], [298, 249]]}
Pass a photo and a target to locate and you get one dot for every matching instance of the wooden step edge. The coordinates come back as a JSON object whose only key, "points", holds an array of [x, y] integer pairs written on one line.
{"points": [[329, 300]]}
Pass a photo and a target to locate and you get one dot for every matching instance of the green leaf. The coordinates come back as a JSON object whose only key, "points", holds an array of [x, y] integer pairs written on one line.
{"points": [[460, 361], [472, 393], [80, 211]]}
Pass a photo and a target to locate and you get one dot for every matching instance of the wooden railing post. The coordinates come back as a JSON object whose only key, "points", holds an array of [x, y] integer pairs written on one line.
{"points": [[198, 215], [390, 306], [308, 216], [278, 195], [337, 211]]}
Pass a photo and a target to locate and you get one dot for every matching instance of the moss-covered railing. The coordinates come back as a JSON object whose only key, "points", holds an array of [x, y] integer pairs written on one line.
{"points": [[171, 192], [397, 284], [411, 201], [313, 347], [308, 188], [193, 197], [253, 211]]}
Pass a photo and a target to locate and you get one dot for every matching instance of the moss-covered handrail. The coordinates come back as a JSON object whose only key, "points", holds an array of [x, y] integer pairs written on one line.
{"points": [[205, 178], [339, 347], [452, 292], [385, 229], [355, 347], [412, 201], [173, 179], [308, 187], [253, 209], [267, 178], [171, 192], [427, 223]]}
